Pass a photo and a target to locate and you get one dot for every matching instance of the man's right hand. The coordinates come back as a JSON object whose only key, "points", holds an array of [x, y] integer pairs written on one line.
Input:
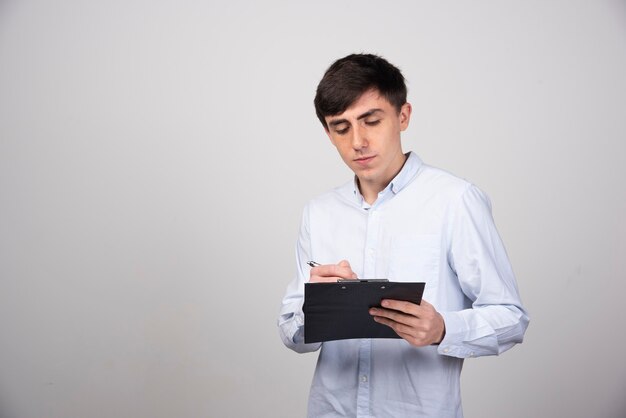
{"points": [[332, 272]]}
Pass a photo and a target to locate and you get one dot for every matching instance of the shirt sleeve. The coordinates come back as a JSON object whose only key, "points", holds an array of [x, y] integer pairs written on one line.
{"points": [[291, 318], [496, 320]]}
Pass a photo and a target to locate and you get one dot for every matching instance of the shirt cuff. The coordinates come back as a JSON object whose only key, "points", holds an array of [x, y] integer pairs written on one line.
{"points": [[460, 342]]}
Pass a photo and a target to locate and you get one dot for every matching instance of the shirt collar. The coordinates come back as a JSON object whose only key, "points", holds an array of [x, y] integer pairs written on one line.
{"points": [[400, 181]]}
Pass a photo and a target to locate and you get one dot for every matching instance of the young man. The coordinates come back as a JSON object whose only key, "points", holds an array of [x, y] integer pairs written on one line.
{"points": [[402, 220]]}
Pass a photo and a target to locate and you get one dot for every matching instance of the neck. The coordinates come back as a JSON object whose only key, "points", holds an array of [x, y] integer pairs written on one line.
{"points": [[370, 189], [369, 194]]}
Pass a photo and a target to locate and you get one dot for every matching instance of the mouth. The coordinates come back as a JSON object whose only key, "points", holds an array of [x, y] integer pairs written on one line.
{"points": [[364, 160]]}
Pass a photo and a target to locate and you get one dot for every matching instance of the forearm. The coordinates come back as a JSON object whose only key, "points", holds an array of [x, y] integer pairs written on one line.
{"points": [[483, 331], [291, 328]]}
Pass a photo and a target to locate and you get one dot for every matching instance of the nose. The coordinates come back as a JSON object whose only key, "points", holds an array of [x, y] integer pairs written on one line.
{"points": [[359, 139]]}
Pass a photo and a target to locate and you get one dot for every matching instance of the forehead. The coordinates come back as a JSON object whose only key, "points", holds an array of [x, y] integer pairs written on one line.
{"points": [[371, 99]]}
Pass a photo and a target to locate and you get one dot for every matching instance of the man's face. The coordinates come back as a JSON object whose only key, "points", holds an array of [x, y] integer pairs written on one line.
{"points": [[367, 136]]}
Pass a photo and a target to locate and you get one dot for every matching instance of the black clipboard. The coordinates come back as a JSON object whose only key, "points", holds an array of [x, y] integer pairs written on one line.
{"points": [[340, 311]]}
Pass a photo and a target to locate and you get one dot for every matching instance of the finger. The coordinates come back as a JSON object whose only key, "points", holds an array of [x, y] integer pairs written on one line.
{"points": [[322, 279], [344, 263], [401, 305], [395, 316], [406, 332], [413, 340], [424, 303], [424, 310], [400, 328], [333, 270], [426, 306]]}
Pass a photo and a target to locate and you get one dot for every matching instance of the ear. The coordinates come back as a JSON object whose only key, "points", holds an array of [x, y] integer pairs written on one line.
{"points": [[405, 115]]}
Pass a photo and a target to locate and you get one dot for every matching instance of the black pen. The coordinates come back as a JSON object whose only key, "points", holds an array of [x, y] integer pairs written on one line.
{"points": [[313, 263]]}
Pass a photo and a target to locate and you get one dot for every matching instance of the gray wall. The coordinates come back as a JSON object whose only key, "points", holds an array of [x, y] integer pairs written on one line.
{"points": [[155, 157]]}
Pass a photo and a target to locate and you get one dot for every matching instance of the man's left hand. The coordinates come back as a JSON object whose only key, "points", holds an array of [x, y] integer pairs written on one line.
{"points": [[420, 325]]}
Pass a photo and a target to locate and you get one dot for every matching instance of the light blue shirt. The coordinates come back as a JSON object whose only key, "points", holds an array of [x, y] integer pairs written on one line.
{"points": [[426, 225]]}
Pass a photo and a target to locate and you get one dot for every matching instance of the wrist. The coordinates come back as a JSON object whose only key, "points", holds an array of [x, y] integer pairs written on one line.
{"points": [[442, 335]]}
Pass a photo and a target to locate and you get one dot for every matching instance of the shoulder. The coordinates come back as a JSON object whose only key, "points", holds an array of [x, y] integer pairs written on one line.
{"points": [[457, 192], [441, 190], [440, 183]]}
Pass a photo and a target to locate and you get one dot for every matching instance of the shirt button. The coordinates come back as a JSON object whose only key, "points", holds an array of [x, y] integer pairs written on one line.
{"points": [[472, 354], [446, 350], [364, 378]]}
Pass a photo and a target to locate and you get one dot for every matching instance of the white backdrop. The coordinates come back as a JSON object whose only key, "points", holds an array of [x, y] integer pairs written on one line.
{"points": [[155, 157]]}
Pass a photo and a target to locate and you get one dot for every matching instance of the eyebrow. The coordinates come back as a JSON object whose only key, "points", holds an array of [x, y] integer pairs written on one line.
{"points": [[370, 112]]}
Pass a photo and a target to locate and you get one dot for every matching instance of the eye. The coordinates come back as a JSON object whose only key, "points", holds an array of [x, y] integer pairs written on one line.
{"points": [[372, 122], [341, 131]]}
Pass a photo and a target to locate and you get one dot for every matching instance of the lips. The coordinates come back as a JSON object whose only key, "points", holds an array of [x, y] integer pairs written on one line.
{"points": [[364, 160]]}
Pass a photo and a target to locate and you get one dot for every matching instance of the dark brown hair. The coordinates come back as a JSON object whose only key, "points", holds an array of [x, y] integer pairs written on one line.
{"points": [[351, 76]]}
